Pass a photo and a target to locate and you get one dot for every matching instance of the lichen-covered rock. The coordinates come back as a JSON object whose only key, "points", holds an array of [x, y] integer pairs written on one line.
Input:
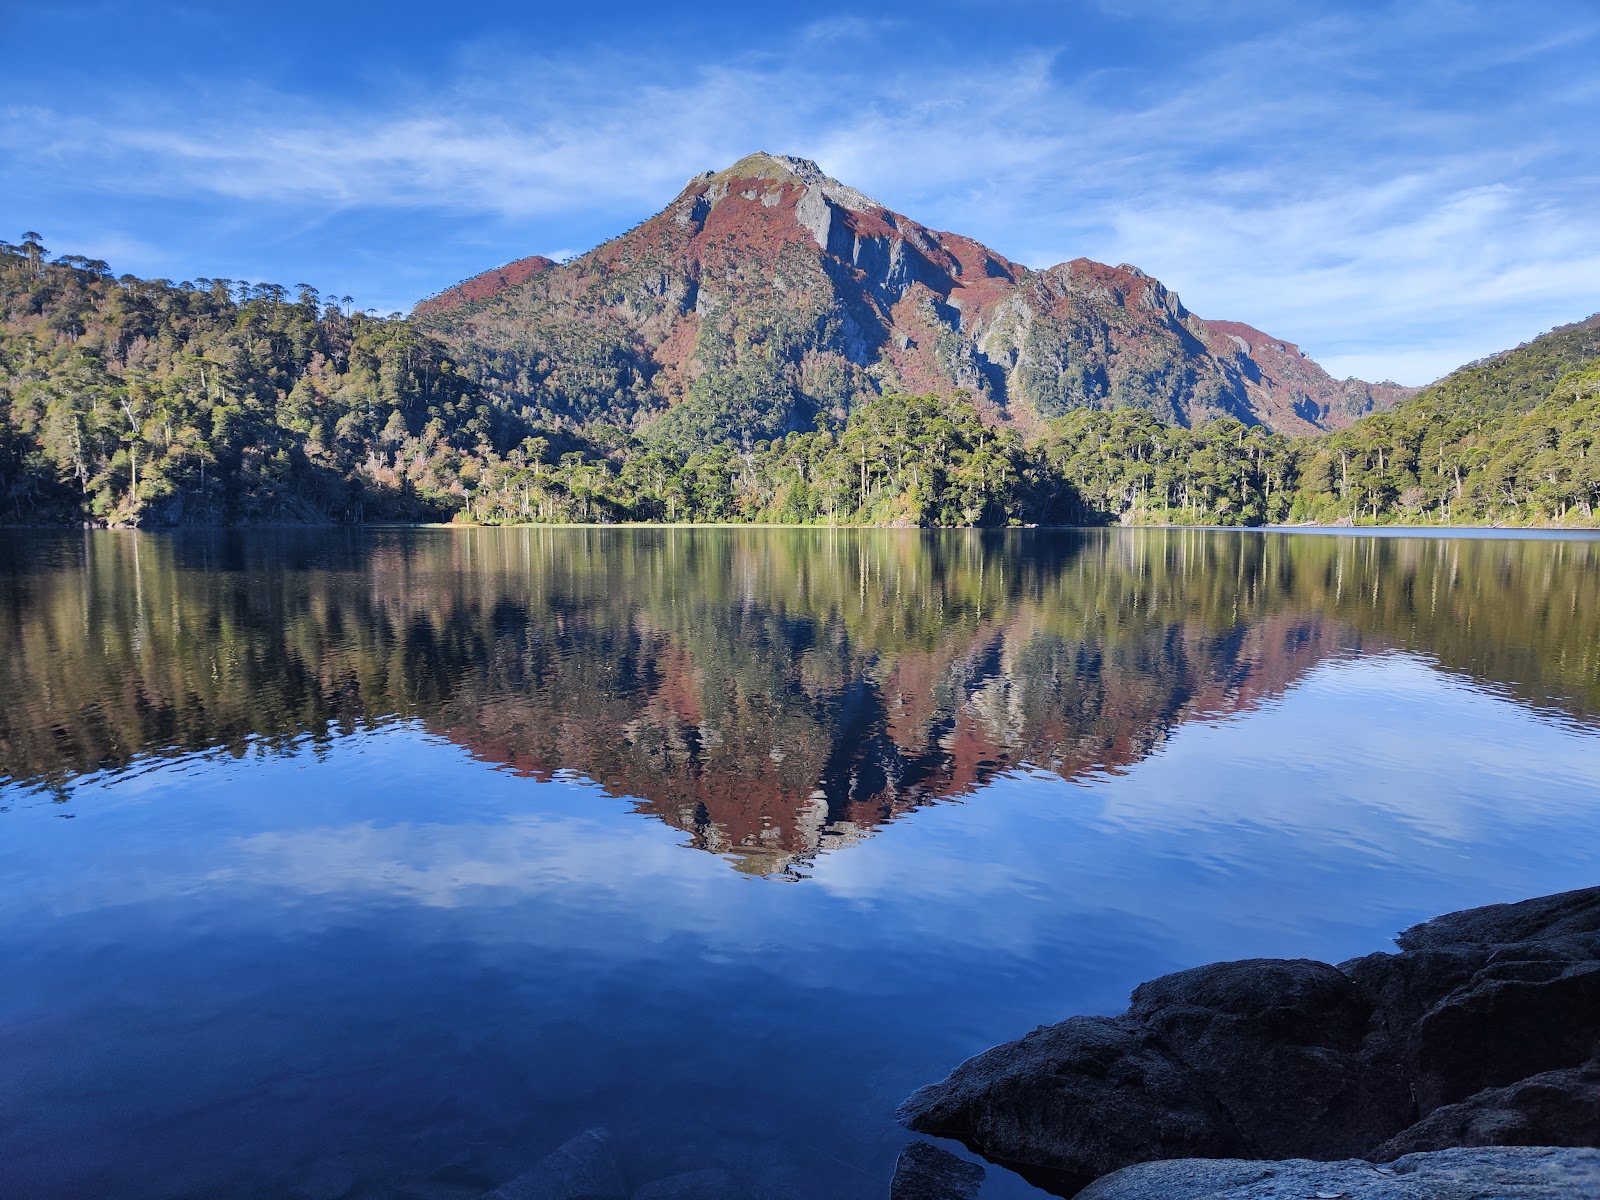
{"points": [[1499, 1173]]}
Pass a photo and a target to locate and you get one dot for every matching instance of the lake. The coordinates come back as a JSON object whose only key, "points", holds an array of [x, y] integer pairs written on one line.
{"points": [[381, 863]]}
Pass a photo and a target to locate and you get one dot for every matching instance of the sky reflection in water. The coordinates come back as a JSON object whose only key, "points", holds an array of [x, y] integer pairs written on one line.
{"points": [[993, 781]]}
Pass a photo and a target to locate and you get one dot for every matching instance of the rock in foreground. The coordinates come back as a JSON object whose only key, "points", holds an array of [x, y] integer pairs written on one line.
{"points": [[1499, 1173], [1476, 1033]]}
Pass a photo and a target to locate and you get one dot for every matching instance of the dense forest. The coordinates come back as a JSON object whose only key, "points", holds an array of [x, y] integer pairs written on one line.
{"points": [[126, 401]]}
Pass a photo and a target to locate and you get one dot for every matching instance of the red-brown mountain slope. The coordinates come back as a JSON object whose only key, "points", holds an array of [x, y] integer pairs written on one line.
{"points": [[767, 293], [486, 283]]}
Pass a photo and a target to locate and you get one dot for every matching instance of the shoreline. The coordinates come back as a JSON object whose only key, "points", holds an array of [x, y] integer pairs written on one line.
{"points": [[1320, 530], [1482, 1030]]}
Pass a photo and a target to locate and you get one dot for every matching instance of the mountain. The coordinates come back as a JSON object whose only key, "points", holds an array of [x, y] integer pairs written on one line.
{"points": [[627, 386], [768, 293]]}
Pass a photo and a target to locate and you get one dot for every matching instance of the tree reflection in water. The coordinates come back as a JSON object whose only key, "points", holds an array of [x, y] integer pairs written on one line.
{"points": [[772, 693]]}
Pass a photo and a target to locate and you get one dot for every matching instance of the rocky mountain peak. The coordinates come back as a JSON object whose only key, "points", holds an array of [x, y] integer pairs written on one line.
{"points": [[787, 169], [768, 292]]}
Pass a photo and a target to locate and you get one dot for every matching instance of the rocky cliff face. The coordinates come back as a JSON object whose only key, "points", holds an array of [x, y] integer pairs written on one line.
{"points": [[768, 293]]}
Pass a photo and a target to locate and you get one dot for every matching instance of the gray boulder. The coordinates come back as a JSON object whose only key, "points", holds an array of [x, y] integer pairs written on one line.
{"points": [[1269, 1059], [1517, 1016], [1532, 992], [1070, 1102], [926, 1172], [1559, 1108], [1281, 1047], [1544, 918], [1499, 1173], [1247, 1059], [1459, 1011]]}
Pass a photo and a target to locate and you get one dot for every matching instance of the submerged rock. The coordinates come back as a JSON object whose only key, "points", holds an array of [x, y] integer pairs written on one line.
{"points": [[584, 1168], [783, 1181], [329, 1179], [926, 1172], [1476, 1032], [1498, 1173], [712, 1183]]}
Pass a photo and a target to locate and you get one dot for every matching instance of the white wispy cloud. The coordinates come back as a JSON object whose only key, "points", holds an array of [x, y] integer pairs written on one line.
{"points": [[847, 29], [1312, 179]]}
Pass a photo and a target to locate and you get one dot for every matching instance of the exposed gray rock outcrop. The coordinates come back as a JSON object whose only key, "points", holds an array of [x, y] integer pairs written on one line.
{"points": [[1477, 1031], [1502, 1173]]}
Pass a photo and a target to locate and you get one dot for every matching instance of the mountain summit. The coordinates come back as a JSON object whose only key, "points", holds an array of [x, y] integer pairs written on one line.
{"points": [[768, 293], [786, 168]]}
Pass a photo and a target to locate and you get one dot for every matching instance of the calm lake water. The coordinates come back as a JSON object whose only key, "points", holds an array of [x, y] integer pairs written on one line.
{"points": [[380, 864]]}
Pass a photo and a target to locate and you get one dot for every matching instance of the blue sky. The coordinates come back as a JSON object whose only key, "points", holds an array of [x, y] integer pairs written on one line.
{"points": [[1398, 187]]}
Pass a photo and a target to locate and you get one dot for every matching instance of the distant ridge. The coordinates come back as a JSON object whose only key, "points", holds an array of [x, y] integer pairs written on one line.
{"points": [[1517, 379], [486, 283]]}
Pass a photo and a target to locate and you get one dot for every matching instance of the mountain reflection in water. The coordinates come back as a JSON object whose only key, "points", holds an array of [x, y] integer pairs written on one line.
{"points": [[352, 902], [772, 693]]}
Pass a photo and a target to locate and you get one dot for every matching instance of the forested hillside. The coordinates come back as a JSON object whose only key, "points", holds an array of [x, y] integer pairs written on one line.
{"points": [[1514, 438], [132, 401], [143, 402]]}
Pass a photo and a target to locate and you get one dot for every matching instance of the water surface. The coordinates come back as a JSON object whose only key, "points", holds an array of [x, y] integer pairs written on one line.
{"points": [[380, 864]]}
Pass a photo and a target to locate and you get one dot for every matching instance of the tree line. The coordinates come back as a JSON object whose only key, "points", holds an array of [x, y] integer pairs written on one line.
{"points": [[126, 401]]}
